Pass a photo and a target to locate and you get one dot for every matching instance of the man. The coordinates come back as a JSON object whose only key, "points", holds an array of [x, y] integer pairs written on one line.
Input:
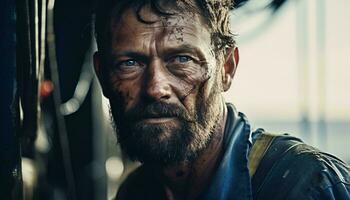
{"points": [[163, 65]]}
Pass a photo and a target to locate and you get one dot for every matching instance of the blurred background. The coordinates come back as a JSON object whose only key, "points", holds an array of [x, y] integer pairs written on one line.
{"points": [[294, 74], [56, 138]]}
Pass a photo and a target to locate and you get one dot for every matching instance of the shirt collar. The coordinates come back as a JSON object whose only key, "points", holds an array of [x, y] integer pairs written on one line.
{"points": [[232, 180]]}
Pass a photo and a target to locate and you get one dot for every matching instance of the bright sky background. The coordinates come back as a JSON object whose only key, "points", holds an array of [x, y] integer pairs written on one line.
{"points": [[266, 86]]}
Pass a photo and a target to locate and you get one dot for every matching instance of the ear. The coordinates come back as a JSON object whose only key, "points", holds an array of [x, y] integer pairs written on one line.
{"points": [[99, 73], [230, 66]]}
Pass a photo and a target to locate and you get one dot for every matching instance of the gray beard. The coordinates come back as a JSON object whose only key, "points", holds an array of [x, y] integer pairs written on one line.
{"points": [[164, 144]]}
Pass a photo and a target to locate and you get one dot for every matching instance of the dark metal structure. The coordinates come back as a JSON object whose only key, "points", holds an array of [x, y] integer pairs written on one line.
{"points": [[10, 168]]}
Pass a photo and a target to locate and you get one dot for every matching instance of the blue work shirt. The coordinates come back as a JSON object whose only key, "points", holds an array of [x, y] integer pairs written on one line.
{"points": [[314, 174], [311, 174], [232, 177]]}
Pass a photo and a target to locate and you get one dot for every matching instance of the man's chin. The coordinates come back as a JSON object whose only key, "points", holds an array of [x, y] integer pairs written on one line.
{"points": [[157, 143], [157, 129]]}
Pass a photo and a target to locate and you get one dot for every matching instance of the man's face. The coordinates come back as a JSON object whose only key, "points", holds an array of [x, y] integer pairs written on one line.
{"points": [[164, 85]]}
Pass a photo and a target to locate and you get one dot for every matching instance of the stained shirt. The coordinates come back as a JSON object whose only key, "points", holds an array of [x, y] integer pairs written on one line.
{"points": [[232, 180], [314, 175]]}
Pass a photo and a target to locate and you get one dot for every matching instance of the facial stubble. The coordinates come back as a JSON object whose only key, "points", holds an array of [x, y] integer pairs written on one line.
{"points": [[170, 143]]}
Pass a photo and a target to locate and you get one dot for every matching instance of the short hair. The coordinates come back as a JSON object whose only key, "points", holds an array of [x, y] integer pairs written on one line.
{"points": [[216, 13]]}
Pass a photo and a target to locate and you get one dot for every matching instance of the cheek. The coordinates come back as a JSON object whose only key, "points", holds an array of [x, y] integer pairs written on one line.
{"points": [[202, 93], [125, 91], [191, 80], [191, 90]]}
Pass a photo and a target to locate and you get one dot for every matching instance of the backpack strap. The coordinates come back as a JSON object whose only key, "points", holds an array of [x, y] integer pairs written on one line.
{"points": [[258, 150], [267, 152]]}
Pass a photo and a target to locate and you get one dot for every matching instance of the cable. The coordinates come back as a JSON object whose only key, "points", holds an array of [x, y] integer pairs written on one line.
{"points": [[82, 88], [247, 8]]}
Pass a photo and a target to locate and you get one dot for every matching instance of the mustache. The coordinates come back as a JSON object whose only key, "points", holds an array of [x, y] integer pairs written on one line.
{"points": [[157, 109]]}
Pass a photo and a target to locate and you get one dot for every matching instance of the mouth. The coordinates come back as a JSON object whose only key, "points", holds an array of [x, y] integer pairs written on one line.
{"points": [[158, 120]]}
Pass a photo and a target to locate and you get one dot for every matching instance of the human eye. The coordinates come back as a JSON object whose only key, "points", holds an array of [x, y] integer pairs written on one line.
{"points": [[128, 64], [182, 59]]}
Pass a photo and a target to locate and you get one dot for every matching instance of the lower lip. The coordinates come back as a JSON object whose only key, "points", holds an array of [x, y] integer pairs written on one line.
{"points": [[158, 120]]}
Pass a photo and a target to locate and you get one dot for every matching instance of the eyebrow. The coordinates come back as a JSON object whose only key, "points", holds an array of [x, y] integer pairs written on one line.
{"points": [[184, 48], [167, 52], [132, 54]]}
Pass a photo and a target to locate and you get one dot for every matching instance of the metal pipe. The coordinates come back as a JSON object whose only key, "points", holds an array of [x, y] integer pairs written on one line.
{"points": [[10, 160], [57, 102]]}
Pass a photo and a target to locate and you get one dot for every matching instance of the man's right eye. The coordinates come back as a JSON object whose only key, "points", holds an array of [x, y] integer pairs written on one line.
{"points": [[128, 64]]}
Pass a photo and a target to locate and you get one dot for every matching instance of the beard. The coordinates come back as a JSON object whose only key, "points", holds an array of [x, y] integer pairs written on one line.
{"points": [[165, 144]]}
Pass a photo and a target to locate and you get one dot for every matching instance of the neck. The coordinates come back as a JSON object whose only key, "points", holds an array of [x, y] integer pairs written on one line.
{"points": [[188, 180]]}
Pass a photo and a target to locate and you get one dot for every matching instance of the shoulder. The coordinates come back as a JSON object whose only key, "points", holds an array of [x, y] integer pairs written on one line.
{"points": [[132, 184], [299, 171], [140, 184]]}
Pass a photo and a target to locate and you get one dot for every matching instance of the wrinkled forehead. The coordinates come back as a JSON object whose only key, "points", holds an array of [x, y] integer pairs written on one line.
{"points": [[147, 19], [145, 25], [156, 10]]}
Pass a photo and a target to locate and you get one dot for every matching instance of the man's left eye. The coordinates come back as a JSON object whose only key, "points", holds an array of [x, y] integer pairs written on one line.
{"points": [[182, 59]]}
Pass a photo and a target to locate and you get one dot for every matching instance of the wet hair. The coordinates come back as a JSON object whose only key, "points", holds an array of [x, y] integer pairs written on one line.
{"points": [[215, 13]]}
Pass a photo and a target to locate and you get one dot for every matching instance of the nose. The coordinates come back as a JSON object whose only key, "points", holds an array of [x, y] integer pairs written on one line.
{"points": [[158, 85]]}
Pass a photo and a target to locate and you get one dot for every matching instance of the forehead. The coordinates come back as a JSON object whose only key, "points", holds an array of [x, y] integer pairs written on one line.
{"points": [[178, 28]]}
